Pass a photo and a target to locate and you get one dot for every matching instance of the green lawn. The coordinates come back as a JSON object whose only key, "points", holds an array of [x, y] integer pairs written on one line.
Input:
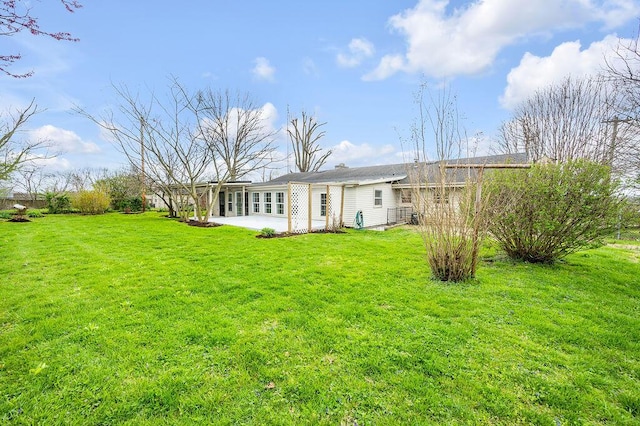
{"points": [[138, 319]]}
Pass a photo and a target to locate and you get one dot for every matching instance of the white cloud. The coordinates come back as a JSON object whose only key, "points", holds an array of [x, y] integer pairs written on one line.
{"points": [[359, 50], [389, 65], [65, 140], [266, 115], [535, 72], [619, 12], [309, 67], [269, 115], [263, 69], [360, 155], [466, 40]]}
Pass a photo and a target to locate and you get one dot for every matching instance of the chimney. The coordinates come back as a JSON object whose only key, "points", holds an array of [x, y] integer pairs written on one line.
{"points": [[341, 166]]}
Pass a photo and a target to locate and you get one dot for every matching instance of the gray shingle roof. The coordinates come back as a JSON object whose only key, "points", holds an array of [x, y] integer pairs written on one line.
{"points": [[390, 172], [430, 171], [397, 173]]}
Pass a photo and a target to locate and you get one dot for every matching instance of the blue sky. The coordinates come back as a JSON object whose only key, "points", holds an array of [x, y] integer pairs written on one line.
{"points": [[355, 64]]}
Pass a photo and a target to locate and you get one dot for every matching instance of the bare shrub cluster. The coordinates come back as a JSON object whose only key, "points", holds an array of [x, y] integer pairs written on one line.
{"points": [[451, 231], [450, 219]]}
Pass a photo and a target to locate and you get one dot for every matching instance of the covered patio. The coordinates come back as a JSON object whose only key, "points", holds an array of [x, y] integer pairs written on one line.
{"points": [[257, 222]]}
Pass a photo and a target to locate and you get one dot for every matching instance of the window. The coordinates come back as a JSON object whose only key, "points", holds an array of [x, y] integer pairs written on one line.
{"points": [[230, 198], [377, 198], [441, 195], [239, 203], [405, 196], [267, 202], [279, 202], [256, 202], [323, 204]]}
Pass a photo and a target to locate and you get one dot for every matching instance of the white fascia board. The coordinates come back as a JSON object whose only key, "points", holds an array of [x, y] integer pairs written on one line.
{"points": [[431, 185], [260, 187]]}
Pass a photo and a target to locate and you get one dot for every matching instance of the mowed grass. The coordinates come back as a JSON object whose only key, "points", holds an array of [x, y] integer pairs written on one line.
{"points": [[138, 319]]}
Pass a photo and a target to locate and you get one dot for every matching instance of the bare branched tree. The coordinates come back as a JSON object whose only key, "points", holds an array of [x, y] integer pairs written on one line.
{"points": [[57, 182], [181, 142], [575, 119], [15, 151], [304, 134], [233, 129], [623, 72], [35, 181], [157, 138], [80, 179], [623, 69], [30, 180]]}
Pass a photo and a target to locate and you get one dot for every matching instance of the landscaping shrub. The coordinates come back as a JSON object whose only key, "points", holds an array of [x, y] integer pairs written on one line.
{"points": [[124, 189], [542, 214], [130, 204], [451, 228], [630, 216], [91, 202], [268, 232], [450, 257], [58, 203]]}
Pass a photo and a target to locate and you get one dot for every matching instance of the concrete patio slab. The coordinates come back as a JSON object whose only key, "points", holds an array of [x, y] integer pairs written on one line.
{"points": [[280, 224]]}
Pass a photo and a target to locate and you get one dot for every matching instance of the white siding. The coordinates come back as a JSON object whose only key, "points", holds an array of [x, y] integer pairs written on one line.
{"points": [[315, 203], [362, 198], [350, 207], [355, 198]]}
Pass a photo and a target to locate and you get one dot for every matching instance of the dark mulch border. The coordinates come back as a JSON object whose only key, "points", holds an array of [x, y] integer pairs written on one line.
{"points": [[19, 220], [324, 231], [292, 234], [203, 224], [278, 235]]}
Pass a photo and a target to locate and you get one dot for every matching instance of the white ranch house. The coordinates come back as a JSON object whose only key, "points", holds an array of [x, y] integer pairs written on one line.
{"points": [[331, 198]]}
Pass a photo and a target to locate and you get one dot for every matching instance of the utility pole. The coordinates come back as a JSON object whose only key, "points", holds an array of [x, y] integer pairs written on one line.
{"points": [[144, 189], [614, 135]]}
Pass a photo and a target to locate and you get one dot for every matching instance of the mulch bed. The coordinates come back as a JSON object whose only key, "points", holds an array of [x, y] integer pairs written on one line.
{"points": [[287, 234], [203, 224], [278, 235], [19, 219]]}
